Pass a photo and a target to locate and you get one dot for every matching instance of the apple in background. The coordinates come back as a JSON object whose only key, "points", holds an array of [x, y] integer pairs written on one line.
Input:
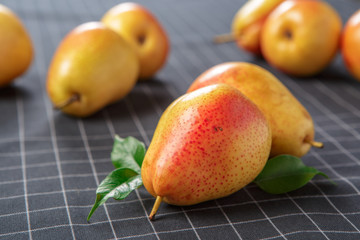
{"points": [[248, 21], [301, 37], [350, 45], [16, 50], [143, 31], [92, 67]]}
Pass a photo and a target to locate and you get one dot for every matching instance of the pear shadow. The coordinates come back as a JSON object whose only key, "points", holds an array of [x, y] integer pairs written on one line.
{"points": [[335, 72], [147, 98], [139, 101], [11, 92]]}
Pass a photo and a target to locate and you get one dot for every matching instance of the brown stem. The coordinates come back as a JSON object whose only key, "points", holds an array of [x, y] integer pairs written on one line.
{"points": [[316, 144], [155, 208], [74, 98], [224, 38]]}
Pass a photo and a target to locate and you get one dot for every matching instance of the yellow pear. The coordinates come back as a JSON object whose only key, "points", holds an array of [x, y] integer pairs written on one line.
{"points": [[208, 144], [301, 37], [247, 24], [248, 21], [291, 124], [140, 27], [92, 67], [16, 50]]}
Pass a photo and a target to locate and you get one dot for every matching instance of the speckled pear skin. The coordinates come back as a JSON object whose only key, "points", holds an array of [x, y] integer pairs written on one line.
{"points": [[208, 144]]}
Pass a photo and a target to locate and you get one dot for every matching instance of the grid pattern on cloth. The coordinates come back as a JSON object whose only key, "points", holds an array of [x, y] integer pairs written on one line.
{"points": [[51, 164]]}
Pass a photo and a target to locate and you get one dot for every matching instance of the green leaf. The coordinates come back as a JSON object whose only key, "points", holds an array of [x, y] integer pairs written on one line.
{"points": [[127, 157], [118, 185], [285, 173], [128, 153]]}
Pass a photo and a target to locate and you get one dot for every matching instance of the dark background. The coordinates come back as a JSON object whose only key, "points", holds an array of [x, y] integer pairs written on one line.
{"points": [[51, 164]]}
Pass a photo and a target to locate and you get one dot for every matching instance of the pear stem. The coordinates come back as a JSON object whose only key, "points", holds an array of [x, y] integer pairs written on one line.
{"points": [[155, 208], [224, 38], [316, 144], [74, 98]]}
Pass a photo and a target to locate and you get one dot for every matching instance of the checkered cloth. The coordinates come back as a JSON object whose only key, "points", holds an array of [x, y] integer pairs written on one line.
{"points": [[51, 164]]}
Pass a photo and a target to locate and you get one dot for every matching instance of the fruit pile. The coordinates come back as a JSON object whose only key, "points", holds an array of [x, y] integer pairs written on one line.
{"points": [[298, 37], [219, 136], [237, 123], [96, 60], [103, 60]]}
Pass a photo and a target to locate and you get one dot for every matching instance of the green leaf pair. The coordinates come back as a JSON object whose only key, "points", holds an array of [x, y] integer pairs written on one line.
{"points": [[127, 157], [285, 173]]}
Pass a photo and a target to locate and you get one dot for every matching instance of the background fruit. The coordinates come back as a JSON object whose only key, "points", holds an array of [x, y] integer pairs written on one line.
{"points": [[301, 37], [248, 21], [16, 50], [92, 67], [350, 47], [143, 31]]}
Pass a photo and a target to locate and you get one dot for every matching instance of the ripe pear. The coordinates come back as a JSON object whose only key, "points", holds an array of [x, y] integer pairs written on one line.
{"points": [[248, 22], [291, 124], [140, 27], [92, 67], [208, 144], [301, 37], [16, 49]]}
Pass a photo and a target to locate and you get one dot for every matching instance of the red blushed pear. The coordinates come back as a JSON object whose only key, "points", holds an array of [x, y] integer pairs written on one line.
{"points": [[92, 67], [16, 50], [291, 125], [301, 37], [350, 45], [144, 32], [208, 144]]}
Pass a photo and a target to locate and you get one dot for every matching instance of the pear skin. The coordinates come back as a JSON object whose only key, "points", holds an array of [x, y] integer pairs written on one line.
{"points": [[301, 38], [16, 49], [208, 144], [248, 21], [92, 67], [291, 124], [143, 31], [350, 47]]}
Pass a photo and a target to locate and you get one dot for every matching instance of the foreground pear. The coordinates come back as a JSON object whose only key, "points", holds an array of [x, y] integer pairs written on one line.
{"points": [[291, 124], [207, 144], [92, 67]]}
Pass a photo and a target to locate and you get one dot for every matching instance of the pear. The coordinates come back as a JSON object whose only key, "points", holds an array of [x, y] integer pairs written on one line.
{"points": [[291, 124], [247, 24], [208, 144], [92, 67], [141, 28], [16, 48]]}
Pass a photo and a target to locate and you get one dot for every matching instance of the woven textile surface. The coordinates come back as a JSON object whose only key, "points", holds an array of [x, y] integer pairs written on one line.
{"points": [[51, 164]]}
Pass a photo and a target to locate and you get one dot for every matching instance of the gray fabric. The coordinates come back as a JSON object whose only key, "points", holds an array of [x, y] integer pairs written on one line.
{"points": [[51, 164]]}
